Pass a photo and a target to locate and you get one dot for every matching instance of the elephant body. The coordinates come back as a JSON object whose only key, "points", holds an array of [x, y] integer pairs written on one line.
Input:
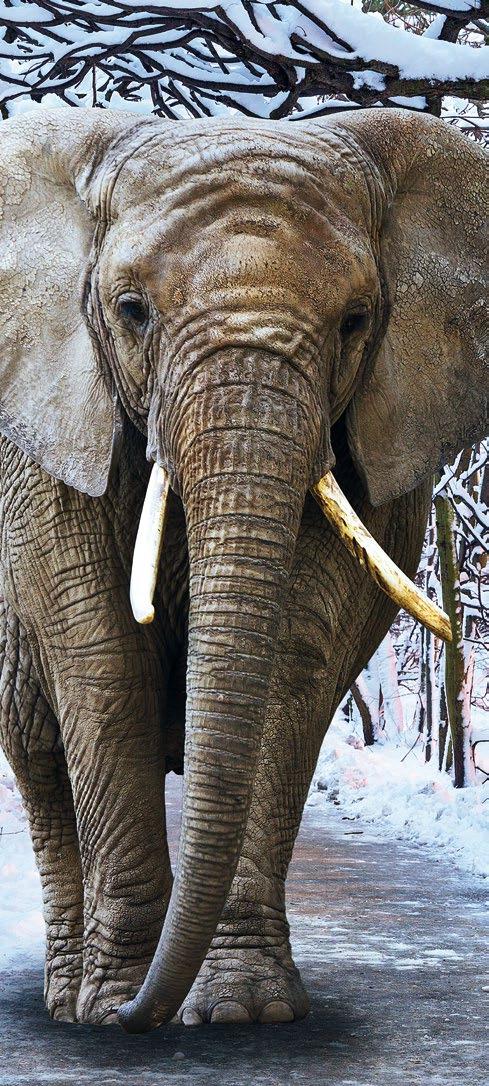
{"points": [[90, 733], [242, 315]]}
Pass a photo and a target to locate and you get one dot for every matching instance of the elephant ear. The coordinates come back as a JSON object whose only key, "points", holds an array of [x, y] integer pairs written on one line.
{"points": [[425, 395], [56, 404]]}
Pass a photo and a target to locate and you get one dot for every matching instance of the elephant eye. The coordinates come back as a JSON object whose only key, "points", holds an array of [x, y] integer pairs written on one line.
{"points": [[133, 310], [354, 323]]}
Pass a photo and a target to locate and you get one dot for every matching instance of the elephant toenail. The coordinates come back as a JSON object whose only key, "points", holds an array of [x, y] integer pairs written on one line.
{"points": [[229, 1011], [189, 1017], [277, 1011]]}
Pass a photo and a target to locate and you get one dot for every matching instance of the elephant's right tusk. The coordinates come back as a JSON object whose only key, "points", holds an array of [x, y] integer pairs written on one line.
{"points": [[147, 549], [370, 555]]}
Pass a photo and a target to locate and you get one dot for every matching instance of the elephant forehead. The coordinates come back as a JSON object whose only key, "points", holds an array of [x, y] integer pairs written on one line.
{"points": [[191, 165], [270, 216], [247, 258]]}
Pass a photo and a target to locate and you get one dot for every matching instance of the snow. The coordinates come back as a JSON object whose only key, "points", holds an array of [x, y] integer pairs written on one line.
{"points": [[21, 922], [416, 57], [389, 786], [414, 102], [455, 5], [435, 28]]}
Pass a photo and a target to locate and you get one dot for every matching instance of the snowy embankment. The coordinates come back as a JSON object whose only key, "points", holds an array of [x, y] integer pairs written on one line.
{"points": [[21, 922], [390, 786]]}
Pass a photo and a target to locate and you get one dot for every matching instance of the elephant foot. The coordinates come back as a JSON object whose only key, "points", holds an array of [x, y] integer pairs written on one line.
{"points": [[109, 980], [99, 1000], [62, 979], [116, 959], [245, 984]]}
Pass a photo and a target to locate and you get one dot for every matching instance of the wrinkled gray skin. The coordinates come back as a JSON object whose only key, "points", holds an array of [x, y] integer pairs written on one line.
{"points": [[261, 298]]}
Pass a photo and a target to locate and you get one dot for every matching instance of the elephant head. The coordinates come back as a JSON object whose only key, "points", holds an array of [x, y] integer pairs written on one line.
{"points": [[236, 287]]}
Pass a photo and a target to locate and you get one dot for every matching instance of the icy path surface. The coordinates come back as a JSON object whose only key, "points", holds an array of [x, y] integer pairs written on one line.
{"points": [[391, 947]]}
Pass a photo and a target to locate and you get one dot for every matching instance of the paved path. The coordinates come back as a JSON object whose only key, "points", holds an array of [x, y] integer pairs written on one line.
{"points": [[391, 946]]}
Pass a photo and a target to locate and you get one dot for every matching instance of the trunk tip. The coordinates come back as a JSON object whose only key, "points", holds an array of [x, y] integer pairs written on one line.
{"points": [[134, 1019]]}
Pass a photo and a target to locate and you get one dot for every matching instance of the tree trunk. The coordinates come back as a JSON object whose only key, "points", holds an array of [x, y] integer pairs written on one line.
{"points": [[367, 709], [458, 670], [421, 708], [443, 731]]}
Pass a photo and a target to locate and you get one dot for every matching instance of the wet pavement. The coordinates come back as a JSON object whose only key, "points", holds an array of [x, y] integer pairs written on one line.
{"points": [[391, 942]]}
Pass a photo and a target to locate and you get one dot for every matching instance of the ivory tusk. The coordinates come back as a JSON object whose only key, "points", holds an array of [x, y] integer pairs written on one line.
{"points": [[147, 549], [370, 555]]}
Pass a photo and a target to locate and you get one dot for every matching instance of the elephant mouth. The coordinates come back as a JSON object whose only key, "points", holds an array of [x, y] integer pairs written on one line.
{"points": [[343, 519]]}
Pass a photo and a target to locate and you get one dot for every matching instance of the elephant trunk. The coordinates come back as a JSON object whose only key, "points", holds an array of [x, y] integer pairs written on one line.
{"points": [[244, 470]]}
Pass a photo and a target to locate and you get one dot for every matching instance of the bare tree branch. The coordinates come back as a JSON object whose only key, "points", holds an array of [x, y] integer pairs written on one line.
{"points": [[263, 59]]}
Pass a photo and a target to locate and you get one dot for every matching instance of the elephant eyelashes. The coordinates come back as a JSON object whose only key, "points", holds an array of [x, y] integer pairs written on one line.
{"points": [[354, 323], [133, 311]]}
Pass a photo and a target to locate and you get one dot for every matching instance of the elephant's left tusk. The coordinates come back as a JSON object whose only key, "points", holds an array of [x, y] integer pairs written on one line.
{"points": [[370, 555], [147, 549]]}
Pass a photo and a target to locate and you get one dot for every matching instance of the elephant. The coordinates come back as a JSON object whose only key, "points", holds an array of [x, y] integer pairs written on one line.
{"points": [[247, 308]]}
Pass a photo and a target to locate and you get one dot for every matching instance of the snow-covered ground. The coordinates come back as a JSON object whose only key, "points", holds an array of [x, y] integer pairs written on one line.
{"points": [[21, 923], [390, 786]]}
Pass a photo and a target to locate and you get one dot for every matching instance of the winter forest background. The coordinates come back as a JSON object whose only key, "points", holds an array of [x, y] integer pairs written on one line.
{"points": [[409, 748]]}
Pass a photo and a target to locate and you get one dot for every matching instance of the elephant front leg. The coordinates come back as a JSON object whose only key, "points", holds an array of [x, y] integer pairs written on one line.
{"points": [[54, 836], [111, 720], [116, 761], [249, 973], [30, 738], [53, 831]]}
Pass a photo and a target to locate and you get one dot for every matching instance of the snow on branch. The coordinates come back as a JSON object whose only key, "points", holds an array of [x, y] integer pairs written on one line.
{"points": [[264, 59]]}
